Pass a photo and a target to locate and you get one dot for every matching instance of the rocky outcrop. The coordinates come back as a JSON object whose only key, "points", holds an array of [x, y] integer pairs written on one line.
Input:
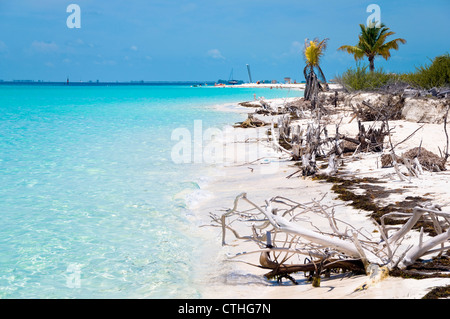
{"points": [[425, 110]]}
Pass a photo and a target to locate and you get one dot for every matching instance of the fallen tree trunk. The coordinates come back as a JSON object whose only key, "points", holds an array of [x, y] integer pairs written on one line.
{"points": [[282, 270]]}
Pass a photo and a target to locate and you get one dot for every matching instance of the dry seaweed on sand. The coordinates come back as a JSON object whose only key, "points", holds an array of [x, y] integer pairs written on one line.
{"points": [[427, 159], [250, 104], [438, 293], [347, 191], [437, 267]]}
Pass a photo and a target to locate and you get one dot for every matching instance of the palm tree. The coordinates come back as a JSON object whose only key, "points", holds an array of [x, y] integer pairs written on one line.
{"points": [[313, 52], [372, 43]]}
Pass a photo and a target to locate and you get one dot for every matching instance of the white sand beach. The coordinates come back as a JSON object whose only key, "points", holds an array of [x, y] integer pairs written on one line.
{"points": [[254, 167], [296, 86]]}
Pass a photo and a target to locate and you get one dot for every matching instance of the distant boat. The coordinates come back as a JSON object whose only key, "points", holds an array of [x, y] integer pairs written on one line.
{"points": [[231, 80]]}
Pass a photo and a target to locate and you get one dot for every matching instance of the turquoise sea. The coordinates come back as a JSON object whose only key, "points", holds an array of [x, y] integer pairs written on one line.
{"points": [[88, 205]]}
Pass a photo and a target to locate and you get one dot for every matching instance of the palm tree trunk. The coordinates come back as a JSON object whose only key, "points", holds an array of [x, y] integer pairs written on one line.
{"points": [[308, 83], [323, 78], [372, 64], [308, 90]]}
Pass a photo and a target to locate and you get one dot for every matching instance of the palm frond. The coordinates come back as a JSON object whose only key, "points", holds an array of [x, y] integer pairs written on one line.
{"points": [[314, 50], [357, 52], [384, 50]]}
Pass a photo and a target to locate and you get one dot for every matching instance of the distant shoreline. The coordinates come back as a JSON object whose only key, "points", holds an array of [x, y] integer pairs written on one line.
{"points": [[95, 83], [299, 86]]}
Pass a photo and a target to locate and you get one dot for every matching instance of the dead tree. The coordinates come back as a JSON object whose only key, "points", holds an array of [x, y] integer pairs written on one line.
{"points": [[305, 143], [312, 86], [371, 140]]}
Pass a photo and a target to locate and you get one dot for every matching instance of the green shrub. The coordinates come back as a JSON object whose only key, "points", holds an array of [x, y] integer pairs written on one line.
{"points": [[362, 79], [437, 74]]}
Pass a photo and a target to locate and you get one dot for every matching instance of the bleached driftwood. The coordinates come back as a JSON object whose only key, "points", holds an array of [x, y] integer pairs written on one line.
{"points": [[281, 229], [304, 144], [332, 166], [266, 106]]}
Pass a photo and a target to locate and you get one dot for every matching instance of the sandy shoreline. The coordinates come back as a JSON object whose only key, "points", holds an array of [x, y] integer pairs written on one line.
{"points": [[296, 86], [254, 167]]}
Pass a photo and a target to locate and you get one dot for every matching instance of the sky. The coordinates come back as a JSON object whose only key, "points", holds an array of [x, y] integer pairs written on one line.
{"points": [[204, 40]]}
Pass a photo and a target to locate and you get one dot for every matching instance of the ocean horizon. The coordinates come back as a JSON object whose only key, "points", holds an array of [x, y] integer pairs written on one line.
{"points": [[92, 204], [105, 83]]}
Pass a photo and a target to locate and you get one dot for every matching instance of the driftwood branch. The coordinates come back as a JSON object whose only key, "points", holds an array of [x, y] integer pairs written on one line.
{"points": [[281, 229]]}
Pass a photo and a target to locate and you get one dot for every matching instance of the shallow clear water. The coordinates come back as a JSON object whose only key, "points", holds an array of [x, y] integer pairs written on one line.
{"points": [[88, 205]]}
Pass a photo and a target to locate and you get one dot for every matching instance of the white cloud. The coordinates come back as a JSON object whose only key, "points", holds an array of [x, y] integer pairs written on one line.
{"points": [[134, 48], [105, 62], [215, 54], [79, 43], [45, 47], [297, 47]]}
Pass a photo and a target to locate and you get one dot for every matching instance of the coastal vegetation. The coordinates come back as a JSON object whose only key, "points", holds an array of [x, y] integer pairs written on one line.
{"points": [[358, 79], [373, 42], [434, 75]]}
